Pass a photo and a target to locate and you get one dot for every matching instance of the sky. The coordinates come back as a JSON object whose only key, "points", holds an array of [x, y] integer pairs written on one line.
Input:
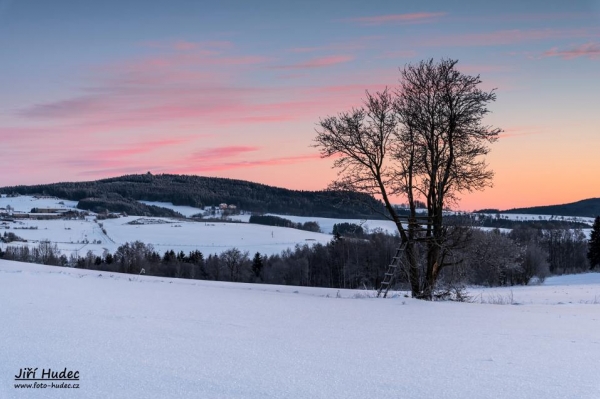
{"points": [[235, 89]]}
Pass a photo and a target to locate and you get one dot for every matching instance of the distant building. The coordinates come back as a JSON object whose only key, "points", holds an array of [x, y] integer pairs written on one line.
{"points": [[49, 210], [232, 207], [45, 216], [223, 206]]}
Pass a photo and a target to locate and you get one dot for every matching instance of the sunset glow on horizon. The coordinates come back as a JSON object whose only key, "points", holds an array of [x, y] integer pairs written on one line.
{"points": [[92, 90]]}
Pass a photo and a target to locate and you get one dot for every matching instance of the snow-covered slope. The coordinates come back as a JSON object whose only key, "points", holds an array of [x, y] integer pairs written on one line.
{"points": [[164, 234], [81, 236], [556, 290], [209, 237], [186, 211], [146, 337], [326, 224], [25, 203]]}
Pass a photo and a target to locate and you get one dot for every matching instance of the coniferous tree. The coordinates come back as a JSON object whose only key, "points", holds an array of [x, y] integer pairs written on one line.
{"points": [[594, 245], [257, 264]]}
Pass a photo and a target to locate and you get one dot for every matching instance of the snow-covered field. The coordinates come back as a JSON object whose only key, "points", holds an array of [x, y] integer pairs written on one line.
{"points": [[186, 211], [163, 233], [147, 337], [210, 237], [523, 217], [558, 290], [81, 236], [326, 224], [385, 225], [25, 203]]}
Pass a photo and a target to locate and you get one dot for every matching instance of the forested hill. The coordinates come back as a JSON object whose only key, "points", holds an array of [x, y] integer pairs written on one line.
{"points": [[587, 207], [119, 194]]}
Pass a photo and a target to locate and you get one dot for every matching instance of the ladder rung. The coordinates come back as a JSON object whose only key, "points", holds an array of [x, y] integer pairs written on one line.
{"points": [[389, 274], [385, 282]]}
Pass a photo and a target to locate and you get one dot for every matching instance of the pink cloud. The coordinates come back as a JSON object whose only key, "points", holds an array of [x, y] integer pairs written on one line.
{"points": [[345, 96], [176, 92], [482, 68], [184, 46], [519, 131], [271, 161], [84, 105], [419, 17], [20, 134], [318, 62], [161, 101], [135, 100], [175, 88], [222, 152], [526, 17], [505, 37], [207, 47], [140, 148], [263, 119], [590, 50], [122, 158], [208, 160], [222, 166], [117, 171], [186, 60]]}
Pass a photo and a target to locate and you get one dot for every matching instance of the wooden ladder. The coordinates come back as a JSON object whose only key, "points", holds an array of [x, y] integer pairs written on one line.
{"points": [[392, 270]]}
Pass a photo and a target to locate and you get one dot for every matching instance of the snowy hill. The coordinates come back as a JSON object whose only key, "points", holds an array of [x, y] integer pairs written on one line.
{"points": [[145, 337], [121, 193], [587, 208], [83, 235]]}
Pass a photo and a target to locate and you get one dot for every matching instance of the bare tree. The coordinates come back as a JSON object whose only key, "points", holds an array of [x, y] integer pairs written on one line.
{"points": [[425, 143], [46, 253], [234, 260]]}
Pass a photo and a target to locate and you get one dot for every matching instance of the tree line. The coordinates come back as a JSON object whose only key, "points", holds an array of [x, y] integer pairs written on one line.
{"points": [[270, 220], [487, 258]]}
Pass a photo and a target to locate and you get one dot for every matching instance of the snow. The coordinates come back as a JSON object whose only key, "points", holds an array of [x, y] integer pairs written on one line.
{"points": [[523, 216], [24, 203], [69, 235], [81, 236], [371, 224], [210, 237], [557, 290], [326, 224], [148, 337], [186, 211]]}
